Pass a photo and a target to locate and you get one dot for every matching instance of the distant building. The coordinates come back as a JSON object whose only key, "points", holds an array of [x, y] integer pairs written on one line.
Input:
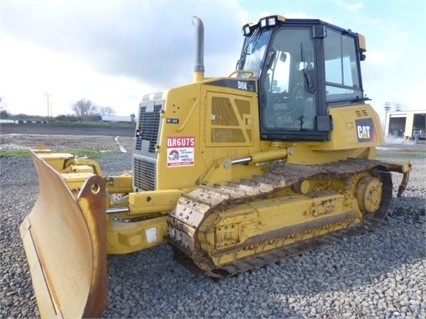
{"points": [[6, 121], [117, 118], [404, 123]]}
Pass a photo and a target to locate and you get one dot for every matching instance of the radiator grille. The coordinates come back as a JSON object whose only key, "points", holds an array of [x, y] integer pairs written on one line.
{"points": [[145, 157], [149, 122], [144, 174]]}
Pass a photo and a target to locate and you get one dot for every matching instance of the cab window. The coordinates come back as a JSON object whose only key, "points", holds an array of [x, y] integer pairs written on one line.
{"points": [[341, 68], [288, 81]]}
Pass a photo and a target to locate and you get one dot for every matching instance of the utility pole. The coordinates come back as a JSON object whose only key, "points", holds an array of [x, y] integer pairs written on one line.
{"points": [[387, 109], [398, 107], [48, 103]]}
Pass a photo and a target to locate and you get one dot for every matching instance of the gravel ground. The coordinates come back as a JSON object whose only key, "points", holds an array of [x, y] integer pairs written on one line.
{"points": [[381, 274]]}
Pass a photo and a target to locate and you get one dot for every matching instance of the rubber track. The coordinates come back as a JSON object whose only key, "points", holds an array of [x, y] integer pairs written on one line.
{"points": [[208, 200]]}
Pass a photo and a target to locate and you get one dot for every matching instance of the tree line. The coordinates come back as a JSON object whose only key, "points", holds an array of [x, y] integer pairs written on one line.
{"points": [[83, 109], [86, 109]]}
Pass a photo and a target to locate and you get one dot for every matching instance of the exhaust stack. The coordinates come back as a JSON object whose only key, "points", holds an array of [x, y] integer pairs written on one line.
{"points": [[199, 54]]}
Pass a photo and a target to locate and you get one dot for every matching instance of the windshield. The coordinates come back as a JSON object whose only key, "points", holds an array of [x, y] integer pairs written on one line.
{"points": [[253, 52]]}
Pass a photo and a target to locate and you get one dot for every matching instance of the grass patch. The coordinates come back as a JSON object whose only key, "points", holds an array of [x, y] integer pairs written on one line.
{"points": [[77, 152], [14, 153]]}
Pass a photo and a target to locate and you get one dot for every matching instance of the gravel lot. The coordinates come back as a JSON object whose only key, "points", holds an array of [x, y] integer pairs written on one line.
{"points": [[381, 274]]}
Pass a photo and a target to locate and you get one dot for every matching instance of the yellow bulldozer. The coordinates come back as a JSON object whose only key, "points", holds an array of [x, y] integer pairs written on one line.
{"points": [[234, 172]]}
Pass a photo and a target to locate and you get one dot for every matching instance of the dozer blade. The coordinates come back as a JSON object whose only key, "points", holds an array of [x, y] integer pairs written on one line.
{"points": [[65, 242]]}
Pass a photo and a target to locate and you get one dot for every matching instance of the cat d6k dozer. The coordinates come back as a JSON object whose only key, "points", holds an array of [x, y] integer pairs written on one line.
{"points": [[234, 172]]}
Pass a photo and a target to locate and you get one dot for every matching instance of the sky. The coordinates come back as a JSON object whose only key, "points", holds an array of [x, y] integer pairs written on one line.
{"points": [[54, 53]]}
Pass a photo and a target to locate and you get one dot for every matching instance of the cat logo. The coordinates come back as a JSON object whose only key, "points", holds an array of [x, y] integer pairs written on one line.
{"points": [[365, 130]]}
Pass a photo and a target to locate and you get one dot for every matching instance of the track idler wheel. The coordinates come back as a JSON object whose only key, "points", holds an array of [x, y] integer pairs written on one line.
{"points": [[369, 194]]}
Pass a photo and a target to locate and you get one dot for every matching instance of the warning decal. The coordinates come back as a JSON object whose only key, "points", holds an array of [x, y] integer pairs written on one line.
{"points": [[180, 151]]}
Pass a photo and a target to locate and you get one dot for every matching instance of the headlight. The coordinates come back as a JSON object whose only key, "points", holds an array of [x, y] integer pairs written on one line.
{"points": [[246, 30], [270, 20]]}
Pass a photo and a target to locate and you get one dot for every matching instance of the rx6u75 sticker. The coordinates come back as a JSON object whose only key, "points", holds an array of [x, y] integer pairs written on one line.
{"points": [[180, 151]]}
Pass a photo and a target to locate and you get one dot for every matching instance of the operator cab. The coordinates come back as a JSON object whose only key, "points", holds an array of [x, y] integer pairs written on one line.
{"points": [[303, 68]]}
